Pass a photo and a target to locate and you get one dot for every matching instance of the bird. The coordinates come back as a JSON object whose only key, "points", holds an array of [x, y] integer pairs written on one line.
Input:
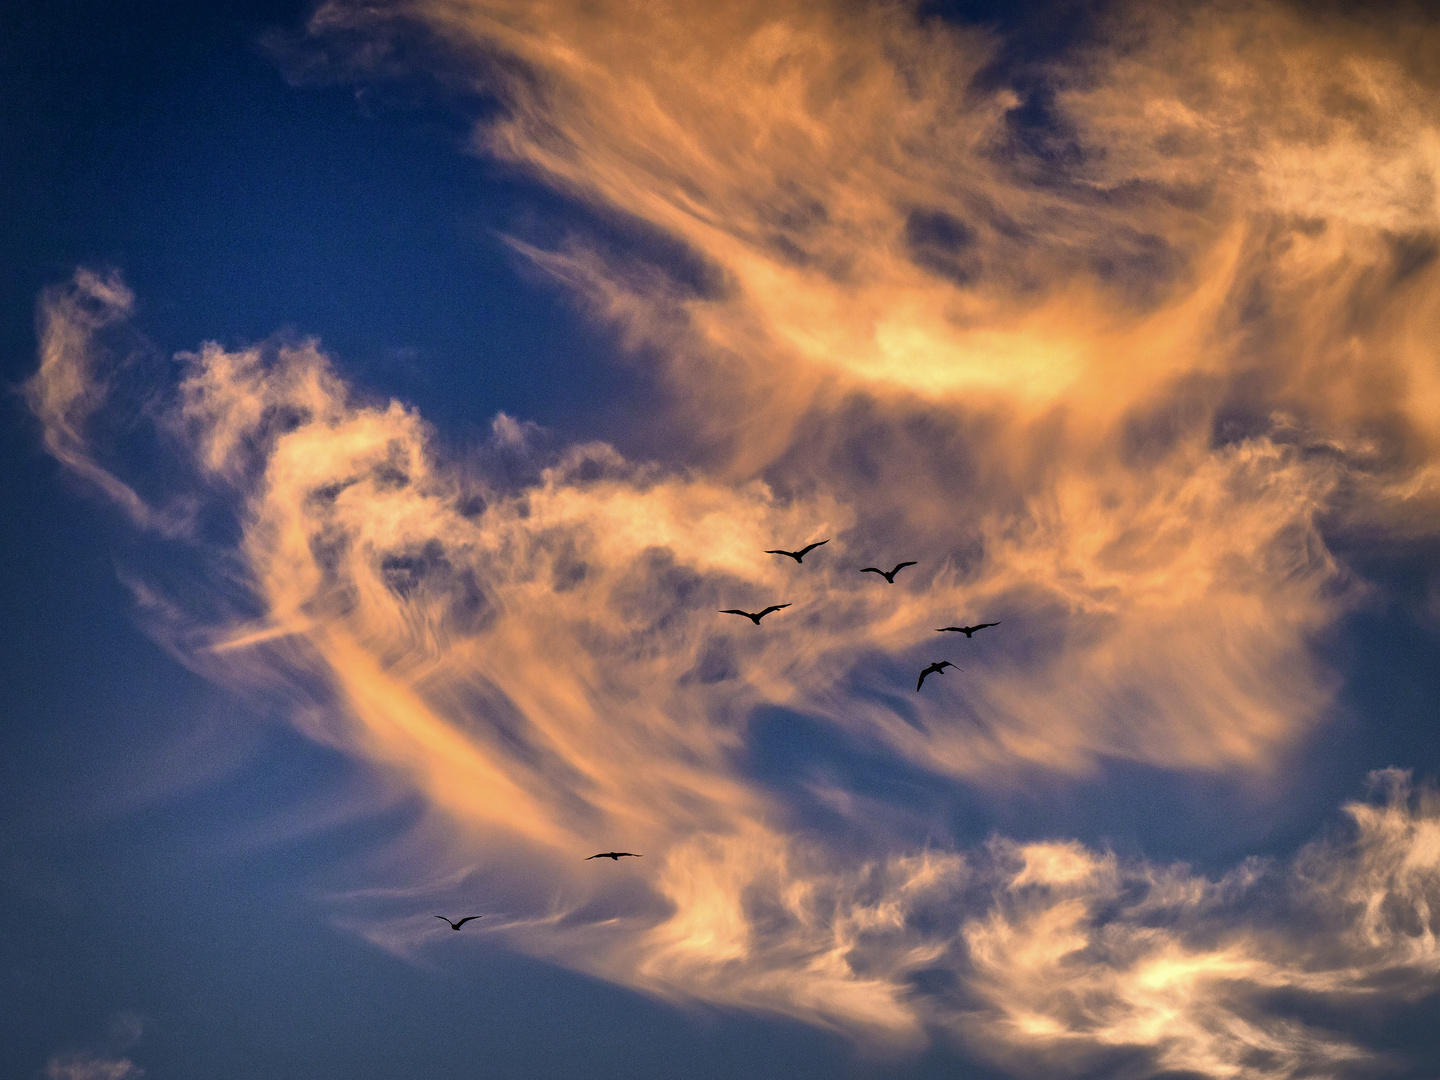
{"points": [[753, 616], [966, 630], [937, 668], [890, 577], [462, 922], [798, 556], [615, 856]]}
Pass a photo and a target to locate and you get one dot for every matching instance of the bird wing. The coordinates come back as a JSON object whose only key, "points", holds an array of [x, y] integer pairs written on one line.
{"points": [[443, 919], [811, 547], [602, 855], [736, 611], [772, 607], [466, 919], [872, 570], [936, 668], [942, 629], [629, 853], [901, 566], [983, 625], [778, 551]]}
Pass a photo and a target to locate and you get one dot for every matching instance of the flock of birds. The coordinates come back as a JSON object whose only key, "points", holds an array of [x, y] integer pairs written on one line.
{"points": [[937, 668]]}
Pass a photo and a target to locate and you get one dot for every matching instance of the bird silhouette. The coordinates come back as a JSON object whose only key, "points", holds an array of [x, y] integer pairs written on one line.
{"points": [[462, 922], [753, 616], [615, 856], [936, 668], [966, 630], [890, 577], [798, 556]]}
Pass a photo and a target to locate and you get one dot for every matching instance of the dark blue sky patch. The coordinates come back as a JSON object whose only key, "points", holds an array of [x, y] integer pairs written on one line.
{"points": [[255, 206], [942, 244], [1040, 143]]}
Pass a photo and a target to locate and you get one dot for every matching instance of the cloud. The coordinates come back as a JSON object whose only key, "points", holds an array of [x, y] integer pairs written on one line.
{"points": [[64, 393], [91, 1067], [543, 662], [872, 202], [72, 384], [1114, 343], [126, 1028], [1115, 354], [1084, 951], [1140, 327]]}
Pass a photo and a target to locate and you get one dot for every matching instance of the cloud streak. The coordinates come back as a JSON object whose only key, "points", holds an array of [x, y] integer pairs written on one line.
{"points": [[91, 1067]]}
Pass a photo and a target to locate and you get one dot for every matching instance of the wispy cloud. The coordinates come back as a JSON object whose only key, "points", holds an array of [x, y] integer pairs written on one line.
{"points": [[1120, 331], [91, 1067], [125, 1031], [1112, 359], [72, 385], [67, 391]]}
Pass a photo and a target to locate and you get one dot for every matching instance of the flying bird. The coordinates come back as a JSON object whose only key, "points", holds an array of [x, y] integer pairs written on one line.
{"points": [[753, 616], [798, 556], [616, 856], [462, 922], [935, 668], [890, 577], [966, 630]]}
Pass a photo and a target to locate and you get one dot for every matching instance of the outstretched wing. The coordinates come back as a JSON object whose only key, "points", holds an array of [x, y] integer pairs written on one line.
{"points": [[982, 626], [443, 919], [736, 611], [772, 607], [624, 854], [466, 919], [935, 668], [901, 566], [778, 551], [872, 570], [810, 547], [957, 629]]}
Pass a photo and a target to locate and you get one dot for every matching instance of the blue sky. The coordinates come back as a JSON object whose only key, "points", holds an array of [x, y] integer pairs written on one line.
{"points": [[400, 392]]}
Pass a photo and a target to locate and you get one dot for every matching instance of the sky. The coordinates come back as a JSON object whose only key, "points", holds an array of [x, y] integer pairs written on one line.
{"points": [[399, 393]]}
